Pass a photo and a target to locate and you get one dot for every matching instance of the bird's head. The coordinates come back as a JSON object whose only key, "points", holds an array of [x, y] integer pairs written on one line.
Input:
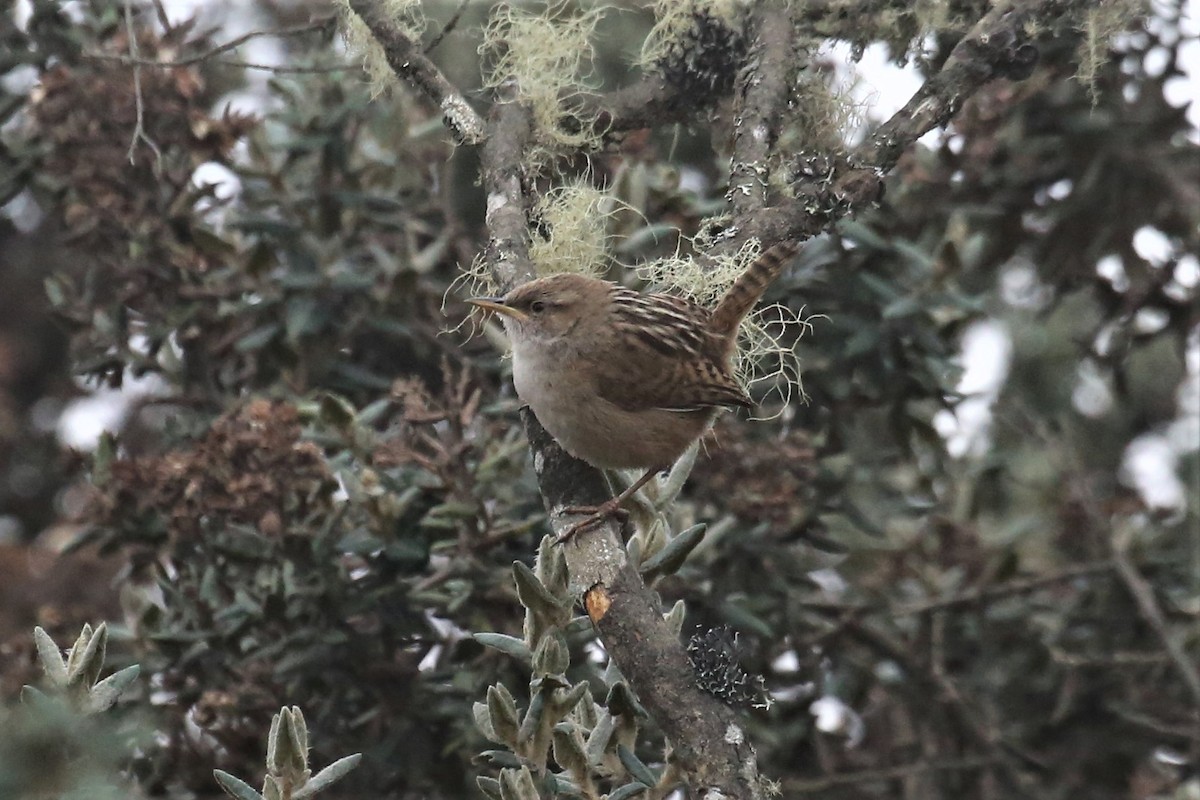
{"points": [[549, 308]]}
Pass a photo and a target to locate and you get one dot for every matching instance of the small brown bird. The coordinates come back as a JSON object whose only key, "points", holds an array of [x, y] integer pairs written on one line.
{"points": [[624, 380]]}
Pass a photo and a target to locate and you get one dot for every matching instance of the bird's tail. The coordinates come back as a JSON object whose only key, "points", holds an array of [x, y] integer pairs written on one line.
{"points": [[749, 287]]}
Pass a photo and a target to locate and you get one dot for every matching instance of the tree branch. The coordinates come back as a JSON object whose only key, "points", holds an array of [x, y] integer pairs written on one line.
{"points": [[412, 66], [997, 46], [762, 99], [708, 744], [1143, 596]]}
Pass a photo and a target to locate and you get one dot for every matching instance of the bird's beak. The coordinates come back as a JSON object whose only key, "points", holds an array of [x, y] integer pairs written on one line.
{"points": [[497, 304]]}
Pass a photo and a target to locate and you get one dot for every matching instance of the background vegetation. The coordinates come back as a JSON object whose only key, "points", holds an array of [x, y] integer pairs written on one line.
{"points": [[953, 586]]}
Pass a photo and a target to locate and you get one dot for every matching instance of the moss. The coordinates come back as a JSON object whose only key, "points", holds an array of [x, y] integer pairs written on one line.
{"points": [[544, 59], [408, 17], [1100, 23], [573, 230]]}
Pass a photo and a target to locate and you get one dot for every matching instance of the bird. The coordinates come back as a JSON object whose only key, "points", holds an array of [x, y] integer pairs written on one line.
{"points": [[623, 379]]}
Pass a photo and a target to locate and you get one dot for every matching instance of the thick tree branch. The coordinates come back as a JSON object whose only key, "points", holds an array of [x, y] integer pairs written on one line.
{"points": [[411, 65], [762, 98], [507, 213], [708, 744], [998, 46]]}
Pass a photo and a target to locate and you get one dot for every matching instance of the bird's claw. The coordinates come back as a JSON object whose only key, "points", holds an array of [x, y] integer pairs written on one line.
{"points": [[596, 515]]}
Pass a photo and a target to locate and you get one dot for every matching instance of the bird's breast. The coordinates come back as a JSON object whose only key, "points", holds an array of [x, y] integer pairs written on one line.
{"points": [[593, 429]]}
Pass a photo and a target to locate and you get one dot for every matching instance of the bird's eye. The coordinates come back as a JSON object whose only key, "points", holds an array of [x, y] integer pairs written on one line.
{"points": [[537, 306]]}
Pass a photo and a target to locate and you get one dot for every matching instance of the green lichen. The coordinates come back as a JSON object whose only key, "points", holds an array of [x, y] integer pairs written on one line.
{"points": [[544, 60], [1100, 23], [573, 230]]}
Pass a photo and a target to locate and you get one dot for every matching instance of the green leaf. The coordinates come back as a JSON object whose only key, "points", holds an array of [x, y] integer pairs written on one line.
{"points": [[489, 786], [328, 776], [668, 560], [627, 791], [532, 594], [509, 645], [568, 750], [551, 656], [86, 669], [257, 338], [302, 317], [600, 736], [235, 787], [620, 701], [637, 770], [503, 715], [483, 721], [50, 657], [105, 693], [534, 717], [518, 785]]}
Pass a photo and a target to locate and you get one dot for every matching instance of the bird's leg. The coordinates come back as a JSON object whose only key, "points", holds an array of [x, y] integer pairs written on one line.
{"points": [[609, 508]]}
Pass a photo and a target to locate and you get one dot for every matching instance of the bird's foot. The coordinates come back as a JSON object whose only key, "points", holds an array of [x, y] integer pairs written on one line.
{"points": [[596, 516]]}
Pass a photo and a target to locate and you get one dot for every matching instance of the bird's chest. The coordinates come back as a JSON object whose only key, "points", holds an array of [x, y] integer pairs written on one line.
{"points": [[547, 380]]}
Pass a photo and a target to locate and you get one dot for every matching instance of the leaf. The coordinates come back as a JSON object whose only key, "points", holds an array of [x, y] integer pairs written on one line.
{"points": [[303, 316], [502, 714], [569, 698], [518, 785], [674, 617], [627, 791], [568, 751], [551, 656], [620, 701], [235, 787], [598, 739], [668, 560], [509, 645], [534, 717], [489, 786], [483, 721], [50, 657], [255, 339], [86, 669], [532, 593], [637, 770], [328, 776], [105, 693]]}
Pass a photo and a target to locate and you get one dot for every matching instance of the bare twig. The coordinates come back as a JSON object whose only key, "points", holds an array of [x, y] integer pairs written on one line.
{"points": [[450, 25], [139, 128], [410, 64], [1143, 596], [134, 61], [979, 596]]}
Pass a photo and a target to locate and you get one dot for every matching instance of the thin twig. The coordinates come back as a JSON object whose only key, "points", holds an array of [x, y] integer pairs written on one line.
{"points": [[233, 44], [278, 69], [450, 25], [979, 596], [410, 64], [1143, 596], [139, 128]]}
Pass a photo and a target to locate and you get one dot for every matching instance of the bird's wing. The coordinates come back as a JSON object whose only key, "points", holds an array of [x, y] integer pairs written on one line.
{"points": [[671, 363]]}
